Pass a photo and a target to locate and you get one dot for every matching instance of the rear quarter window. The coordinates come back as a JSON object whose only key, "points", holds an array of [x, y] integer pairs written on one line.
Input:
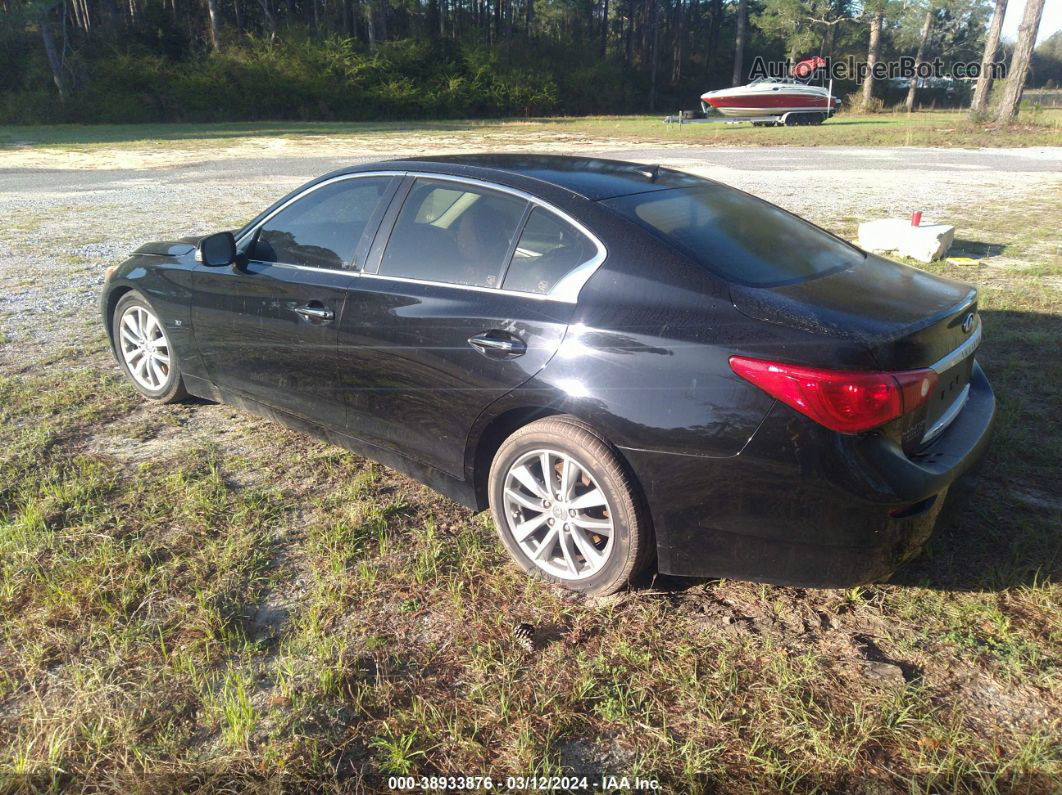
{"points": [[737, 236]]}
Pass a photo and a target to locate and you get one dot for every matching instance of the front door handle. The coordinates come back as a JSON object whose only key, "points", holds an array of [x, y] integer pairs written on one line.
{"points": [[315, 311], [498, 345]]}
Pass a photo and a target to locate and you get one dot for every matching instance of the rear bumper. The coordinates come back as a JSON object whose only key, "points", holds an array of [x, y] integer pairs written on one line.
{"points": [[803, 506]]}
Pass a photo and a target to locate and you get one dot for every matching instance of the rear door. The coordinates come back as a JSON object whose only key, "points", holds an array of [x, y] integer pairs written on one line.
{"points": [[457, 306], [268, 328]]}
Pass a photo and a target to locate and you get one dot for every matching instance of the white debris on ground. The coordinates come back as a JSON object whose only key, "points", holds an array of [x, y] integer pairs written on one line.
{"points": [[924, 243]]}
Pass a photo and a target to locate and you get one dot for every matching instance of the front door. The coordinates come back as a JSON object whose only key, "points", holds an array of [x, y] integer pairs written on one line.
{"points": [[268, 327]]}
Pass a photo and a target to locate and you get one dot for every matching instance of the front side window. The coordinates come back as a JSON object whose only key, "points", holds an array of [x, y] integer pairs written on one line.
{"points": [[739, 237], [322, 229], [549, 248], [453, 233]]}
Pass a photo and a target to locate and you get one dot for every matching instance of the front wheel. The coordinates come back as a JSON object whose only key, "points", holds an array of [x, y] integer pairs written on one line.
{"points": [[567, 509], [144, 350]]}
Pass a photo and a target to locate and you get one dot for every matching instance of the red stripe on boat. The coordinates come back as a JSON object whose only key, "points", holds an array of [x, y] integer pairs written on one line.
{"points": [[779, 100]]}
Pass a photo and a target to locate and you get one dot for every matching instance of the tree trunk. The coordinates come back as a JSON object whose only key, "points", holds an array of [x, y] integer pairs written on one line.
{"points": [[984, 80], [370, 25], [678, 40], [628, 44], [873, 52], [529, 19], [919, 56], [271, 24], [382, 22], [604, 29], [54, 61], [738, 78], [1019, 62], [215, 25], [652, 56]]}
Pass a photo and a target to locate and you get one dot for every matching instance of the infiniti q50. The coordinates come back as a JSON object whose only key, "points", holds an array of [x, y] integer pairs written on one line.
{"points": [[624, 363]]}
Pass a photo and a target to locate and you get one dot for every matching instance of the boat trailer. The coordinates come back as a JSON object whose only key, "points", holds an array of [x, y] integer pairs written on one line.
{"points": [[790, 118]]}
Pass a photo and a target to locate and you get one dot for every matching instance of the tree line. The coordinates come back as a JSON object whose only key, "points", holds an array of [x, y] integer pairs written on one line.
{"points": [[200, 60]]}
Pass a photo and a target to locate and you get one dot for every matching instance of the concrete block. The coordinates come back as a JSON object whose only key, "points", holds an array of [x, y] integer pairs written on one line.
{"points": [[924, 243]]}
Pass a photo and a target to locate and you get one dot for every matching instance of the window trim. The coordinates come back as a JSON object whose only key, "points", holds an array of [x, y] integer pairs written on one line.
{"points": [[566, 290], [251, 234]]}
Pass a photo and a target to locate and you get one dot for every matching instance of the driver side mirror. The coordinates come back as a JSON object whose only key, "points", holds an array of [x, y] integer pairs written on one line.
{"points": [[217, 250]]}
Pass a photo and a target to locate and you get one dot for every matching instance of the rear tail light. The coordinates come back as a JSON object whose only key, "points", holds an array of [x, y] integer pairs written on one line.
{"points": [[848, 402]]}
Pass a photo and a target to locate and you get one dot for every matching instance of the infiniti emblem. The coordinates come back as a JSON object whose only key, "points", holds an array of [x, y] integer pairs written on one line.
{"points": [[968, 323]]}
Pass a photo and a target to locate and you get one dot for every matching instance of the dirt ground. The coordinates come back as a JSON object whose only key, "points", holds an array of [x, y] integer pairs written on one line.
{"points": [[956, 664]]}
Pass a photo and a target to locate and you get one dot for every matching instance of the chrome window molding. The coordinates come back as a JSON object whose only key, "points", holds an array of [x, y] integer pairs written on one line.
{"points": [[450, 285], [566, 290], [252, 231]]}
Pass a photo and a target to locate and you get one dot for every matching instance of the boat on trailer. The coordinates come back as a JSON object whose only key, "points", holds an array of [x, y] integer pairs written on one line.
{"points": [[771, 101]]}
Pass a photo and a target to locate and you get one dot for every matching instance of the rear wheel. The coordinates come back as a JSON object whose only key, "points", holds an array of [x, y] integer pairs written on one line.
{"points": [[144, 350], [566, 508]]}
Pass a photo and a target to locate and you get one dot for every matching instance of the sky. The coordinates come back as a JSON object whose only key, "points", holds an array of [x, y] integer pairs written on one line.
{"points": [[1049, 22]]}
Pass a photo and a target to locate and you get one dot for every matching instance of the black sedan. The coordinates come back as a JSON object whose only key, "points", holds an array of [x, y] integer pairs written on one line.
{"points": [[622, 362]]}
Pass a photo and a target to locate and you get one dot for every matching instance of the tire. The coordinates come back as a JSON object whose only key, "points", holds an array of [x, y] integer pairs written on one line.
{"points": [[563, 539], [144, 351]]}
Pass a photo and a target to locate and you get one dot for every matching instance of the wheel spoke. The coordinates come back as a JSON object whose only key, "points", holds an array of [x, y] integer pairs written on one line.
{"points": [[162, 358], [547, 544], [566, 482], [586, 547], [591, 499], [129, 325], [141, 368], [134, 355], [547, 473], [523, 474], [524, 530], [160, 377], [566, 550], [602, 527], [523, 500]]}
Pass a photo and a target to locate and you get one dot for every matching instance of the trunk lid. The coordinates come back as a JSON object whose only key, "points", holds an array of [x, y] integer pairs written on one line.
{"points": [[907, 319]]}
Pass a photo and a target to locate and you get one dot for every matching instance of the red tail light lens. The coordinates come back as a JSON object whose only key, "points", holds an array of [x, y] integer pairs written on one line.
{"points": [[849, 402]]}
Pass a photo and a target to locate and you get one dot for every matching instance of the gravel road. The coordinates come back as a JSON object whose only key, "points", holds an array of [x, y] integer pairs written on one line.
{"points": [[69, 215]]}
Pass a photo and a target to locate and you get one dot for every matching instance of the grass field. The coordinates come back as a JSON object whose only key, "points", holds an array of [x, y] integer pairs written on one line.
{"points": [[191, 598], [1041, 127]]}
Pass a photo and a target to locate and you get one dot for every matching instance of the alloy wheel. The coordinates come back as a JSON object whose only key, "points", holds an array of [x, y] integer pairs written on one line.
{"points": [[145, 349], [558, 514]]}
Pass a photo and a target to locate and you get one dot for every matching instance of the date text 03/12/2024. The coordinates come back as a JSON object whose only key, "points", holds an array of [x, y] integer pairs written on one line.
{"points": [[524, 783]]}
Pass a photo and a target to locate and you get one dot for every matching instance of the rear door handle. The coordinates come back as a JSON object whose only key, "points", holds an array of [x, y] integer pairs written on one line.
{"points": [[315, 311], [498, 345]]}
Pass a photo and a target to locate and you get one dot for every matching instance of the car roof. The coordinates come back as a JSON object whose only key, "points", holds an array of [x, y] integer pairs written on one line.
{"points": [[593, 178]]}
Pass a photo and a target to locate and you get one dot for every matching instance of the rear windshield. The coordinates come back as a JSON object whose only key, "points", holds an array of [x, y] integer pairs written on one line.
{"points": [[737, 236]]}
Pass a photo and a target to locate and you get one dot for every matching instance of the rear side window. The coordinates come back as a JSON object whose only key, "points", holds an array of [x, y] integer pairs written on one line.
{"points": [[549, 248], [452, 233], [737, 236], [322, 229]]}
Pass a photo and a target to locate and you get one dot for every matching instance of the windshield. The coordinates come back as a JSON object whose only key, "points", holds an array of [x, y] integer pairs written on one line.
{"points": [[739, 237]]}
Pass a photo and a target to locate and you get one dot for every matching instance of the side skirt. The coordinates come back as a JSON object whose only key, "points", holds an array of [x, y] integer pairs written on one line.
{"points": [[457, 490]]}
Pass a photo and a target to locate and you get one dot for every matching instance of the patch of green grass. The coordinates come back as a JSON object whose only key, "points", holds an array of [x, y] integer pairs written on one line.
{"points": [[926, 128]]}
